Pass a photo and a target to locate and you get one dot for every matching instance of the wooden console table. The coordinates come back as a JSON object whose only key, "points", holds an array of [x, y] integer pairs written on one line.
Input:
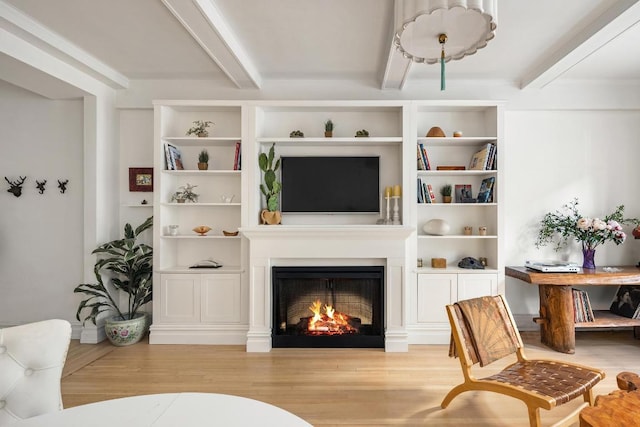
{"points": [[557, 326]]}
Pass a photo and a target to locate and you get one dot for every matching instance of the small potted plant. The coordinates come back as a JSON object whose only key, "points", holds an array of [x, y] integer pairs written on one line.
{"points": [[445, 190], [185, 194], [271, 187], [203, 160], [199, 128], [328, 128], [129, 265]]}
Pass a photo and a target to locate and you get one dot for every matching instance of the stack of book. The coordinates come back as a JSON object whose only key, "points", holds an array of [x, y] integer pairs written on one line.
{"points": [[173, 157], [425, 192], [581, 306], [484, 159], [423, 159]]}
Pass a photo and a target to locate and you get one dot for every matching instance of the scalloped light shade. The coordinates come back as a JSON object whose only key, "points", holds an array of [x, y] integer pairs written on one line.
{"points": [[468, 25]]}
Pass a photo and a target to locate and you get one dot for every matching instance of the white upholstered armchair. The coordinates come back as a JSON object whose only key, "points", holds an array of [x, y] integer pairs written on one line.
{"points": [[31, 360]]}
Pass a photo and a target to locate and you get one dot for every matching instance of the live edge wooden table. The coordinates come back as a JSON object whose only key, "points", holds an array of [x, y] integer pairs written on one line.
{"points": [[557, 326]]}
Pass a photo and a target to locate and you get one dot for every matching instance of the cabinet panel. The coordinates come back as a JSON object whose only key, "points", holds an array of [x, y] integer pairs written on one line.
{"points": [[221, 302], [477, 285], [435, 291], [179, 298]]}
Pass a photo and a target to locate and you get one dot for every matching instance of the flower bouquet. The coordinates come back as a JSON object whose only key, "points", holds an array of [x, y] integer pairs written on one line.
{"points": [[568, 224]]}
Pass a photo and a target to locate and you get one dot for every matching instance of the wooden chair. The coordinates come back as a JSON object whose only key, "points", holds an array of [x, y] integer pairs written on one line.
{"points": [[483, 331]]}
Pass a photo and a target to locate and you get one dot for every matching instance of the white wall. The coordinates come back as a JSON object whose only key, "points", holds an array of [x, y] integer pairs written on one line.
{"points": [[41, 236], [553, 157]]}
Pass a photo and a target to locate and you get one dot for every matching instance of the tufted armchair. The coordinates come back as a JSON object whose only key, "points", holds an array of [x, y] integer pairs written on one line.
{"points": [[31, 360]]}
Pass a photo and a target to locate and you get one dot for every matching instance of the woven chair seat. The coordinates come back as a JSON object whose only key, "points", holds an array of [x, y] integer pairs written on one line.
{"points": [[555, 380]]}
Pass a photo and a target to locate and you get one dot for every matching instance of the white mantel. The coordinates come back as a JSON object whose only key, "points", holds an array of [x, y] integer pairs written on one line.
{"points": [[285, 245]]}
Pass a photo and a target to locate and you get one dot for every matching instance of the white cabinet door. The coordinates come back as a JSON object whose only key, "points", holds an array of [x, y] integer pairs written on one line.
{"points": [[179, 298], [221, 298], [477, 285], [435, 291]]}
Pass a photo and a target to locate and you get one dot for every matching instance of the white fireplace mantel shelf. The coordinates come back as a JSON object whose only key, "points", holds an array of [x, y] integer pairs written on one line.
{"points": [[289, 245], [359, 232]]}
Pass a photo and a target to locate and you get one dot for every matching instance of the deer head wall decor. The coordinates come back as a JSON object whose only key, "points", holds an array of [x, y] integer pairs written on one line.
{"points": [[16, 186], [40, 185], [62, 185]]}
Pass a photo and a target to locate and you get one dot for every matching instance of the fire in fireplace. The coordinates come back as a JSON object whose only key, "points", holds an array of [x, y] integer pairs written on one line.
{"points": [[328, 306]]}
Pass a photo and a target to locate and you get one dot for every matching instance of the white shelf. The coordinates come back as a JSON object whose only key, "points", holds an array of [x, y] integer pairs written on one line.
{"points": [[195, 172], [453, 269], [458, 173], [456, 142], [186, 270], [330, 142], [199, 204], [457, 205], [454, 236], [195, 141], [197, 236], [139, 205]]}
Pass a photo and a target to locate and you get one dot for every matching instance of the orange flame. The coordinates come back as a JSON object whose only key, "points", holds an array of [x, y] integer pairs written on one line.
{"points": [[331, 322]]}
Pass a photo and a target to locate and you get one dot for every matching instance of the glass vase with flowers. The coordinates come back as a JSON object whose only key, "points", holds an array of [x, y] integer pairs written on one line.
{"points": [[568, 224]]}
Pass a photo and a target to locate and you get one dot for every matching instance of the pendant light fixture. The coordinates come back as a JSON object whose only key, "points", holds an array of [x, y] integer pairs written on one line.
{"points": [[432, 31]]}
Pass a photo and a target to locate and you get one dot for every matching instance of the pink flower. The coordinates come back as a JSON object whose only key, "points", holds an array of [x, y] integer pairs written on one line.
{"points": [[584, 223]]}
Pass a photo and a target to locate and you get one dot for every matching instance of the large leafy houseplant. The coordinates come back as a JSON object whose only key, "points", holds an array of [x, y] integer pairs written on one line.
{"points": [[129, 265], [271, 187]]}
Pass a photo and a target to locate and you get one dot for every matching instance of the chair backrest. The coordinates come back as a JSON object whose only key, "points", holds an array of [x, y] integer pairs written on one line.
{"points": [[32, 357], [483, 330]]}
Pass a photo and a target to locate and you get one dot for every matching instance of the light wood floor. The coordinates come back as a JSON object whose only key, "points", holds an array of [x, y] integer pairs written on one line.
{"points": [[332, 387]]}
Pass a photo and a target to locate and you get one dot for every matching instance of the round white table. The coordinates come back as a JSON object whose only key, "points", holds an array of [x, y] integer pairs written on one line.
{"points": [[170, 410]]}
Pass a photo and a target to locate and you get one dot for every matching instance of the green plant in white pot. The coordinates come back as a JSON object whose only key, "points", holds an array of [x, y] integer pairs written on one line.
{"points": [[129, 265]]}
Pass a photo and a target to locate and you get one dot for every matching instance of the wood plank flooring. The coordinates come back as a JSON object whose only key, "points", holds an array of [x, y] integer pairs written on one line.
{"points": [[333, 387]]}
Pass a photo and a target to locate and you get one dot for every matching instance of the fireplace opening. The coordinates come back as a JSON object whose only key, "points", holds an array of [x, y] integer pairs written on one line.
{"points": [[321, 307]]}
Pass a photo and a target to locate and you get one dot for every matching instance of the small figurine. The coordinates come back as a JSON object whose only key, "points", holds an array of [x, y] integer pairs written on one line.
{"points": [[62, 185], [16, 186], [40, 185]]}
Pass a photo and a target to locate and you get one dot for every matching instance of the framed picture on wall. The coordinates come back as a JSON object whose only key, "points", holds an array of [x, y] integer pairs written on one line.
{"points": [[140, 179]]}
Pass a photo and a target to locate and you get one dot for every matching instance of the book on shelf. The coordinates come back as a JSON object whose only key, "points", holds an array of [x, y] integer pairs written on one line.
{"points": [[581, 306], [173, 157], [451, 168], [423, 158], [462, 192], [425, 192], [237, 159], [626, 302], [482, 159], [485, 194]]}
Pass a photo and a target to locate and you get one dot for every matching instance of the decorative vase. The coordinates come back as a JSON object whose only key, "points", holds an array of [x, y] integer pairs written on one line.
{"points": [[446, 199], [270, 217], [588, 259], [126, 332], [328, 133], [203, 166], [203, 134]]}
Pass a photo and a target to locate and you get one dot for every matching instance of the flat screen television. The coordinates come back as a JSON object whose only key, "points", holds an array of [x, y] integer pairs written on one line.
{"points": [[330, 184]]}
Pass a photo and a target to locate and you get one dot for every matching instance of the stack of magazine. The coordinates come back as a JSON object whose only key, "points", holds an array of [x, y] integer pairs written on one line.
{"points": [[581, 306]]}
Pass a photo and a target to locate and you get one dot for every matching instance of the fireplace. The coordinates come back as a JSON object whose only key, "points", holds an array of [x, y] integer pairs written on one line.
{"points": [[328, 306]]}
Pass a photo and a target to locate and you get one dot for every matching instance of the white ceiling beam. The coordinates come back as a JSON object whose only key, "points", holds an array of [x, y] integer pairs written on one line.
{"points": [[22, 26], [397, 66], [623, 15], [208, 28]]}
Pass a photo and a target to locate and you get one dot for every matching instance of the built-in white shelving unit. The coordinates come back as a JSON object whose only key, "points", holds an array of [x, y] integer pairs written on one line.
{"points": [[216, 305]]}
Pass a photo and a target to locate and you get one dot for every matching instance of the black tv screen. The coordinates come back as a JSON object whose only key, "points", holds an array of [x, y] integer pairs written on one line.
{"points": [[330, 184]]}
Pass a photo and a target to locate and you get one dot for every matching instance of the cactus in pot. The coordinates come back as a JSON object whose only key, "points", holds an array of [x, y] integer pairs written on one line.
{"points": [[271, 186]]}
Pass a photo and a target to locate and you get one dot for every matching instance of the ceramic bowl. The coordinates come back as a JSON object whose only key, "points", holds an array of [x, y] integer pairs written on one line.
{"points": [[229, 233], [202, 229]]}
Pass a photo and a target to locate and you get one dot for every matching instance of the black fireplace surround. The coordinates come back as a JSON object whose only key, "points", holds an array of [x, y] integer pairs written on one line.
{"points": [[355, 291]]}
